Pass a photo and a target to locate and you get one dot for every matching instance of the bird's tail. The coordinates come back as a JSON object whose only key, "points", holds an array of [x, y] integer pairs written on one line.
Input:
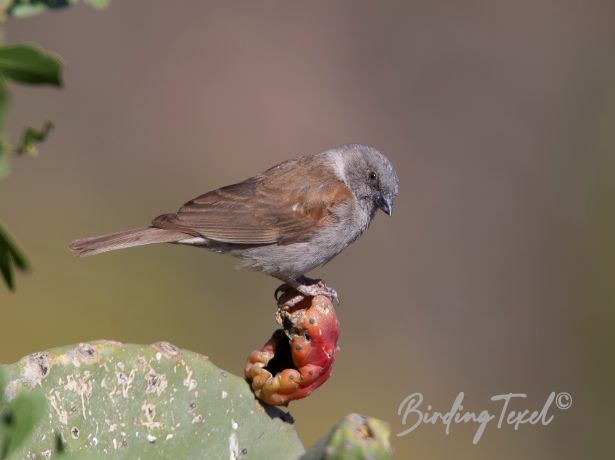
{"points": [[125, 239]]}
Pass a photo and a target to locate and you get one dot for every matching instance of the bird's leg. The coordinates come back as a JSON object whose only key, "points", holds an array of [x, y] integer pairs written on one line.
{"points": [[307, 287]]}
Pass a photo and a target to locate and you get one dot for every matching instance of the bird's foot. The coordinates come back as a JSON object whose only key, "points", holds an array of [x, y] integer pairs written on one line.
{"points": [[305, 287], [312, 288]]}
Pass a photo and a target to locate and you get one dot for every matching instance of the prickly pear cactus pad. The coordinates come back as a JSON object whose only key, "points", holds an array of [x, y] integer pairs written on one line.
{"points": [[144, 402], [355, 437]]}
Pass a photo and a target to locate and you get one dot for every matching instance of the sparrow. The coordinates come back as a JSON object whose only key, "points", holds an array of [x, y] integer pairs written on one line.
{"points": [[286, 221]]}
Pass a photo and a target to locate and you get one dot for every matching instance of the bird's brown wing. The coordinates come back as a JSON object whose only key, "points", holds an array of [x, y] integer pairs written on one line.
{"points": [[285, 204]]}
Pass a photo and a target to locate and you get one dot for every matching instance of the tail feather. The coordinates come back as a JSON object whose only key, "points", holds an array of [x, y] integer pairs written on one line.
{"points": [[124, 239]]}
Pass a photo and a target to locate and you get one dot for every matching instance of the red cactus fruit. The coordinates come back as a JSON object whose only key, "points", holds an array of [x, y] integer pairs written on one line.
{"points": [[298, 358]]}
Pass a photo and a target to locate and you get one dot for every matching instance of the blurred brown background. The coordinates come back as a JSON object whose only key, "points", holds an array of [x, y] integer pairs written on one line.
{"points": [[495, 274]]}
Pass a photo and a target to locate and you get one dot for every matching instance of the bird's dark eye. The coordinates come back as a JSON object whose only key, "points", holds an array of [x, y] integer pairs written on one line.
{"points": [[372, 175]]}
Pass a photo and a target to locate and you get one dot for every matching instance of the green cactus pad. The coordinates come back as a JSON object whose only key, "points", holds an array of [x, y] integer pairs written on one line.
{"points": [[355, 437], [145, 402]]}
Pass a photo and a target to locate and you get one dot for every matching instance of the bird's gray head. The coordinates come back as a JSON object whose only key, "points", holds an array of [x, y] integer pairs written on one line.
{"points": [[371, 176]]}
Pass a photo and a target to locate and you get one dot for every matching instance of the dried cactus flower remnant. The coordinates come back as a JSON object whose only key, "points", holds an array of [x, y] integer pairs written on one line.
{"points": [[298, 358]]}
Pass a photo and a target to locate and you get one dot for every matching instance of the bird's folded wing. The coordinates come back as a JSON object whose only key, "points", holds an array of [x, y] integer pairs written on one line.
{"points": [[276, 207]]}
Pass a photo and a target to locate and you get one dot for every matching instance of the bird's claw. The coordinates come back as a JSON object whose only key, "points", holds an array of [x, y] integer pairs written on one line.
{"points": [[280, 291], [305, 287], [318, 288]]}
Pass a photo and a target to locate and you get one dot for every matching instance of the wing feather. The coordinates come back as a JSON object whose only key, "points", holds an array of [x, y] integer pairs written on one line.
{"points": [[280, 206]]}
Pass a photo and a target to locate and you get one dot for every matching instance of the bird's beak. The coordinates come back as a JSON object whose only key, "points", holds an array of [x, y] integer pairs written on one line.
{"points": [[385, 203]]}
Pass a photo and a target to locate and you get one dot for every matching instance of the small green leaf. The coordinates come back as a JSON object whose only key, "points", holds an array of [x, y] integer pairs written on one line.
{"points": [[4, 163], [6, 270], [4, 101], [31, 137], [18, 417], [4, 151], [20, 8], [10, 256], [30, 64], [24, 413], [98, 4]]}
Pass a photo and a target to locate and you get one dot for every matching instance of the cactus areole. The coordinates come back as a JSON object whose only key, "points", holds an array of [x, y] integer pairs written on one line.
{"points": [[298, 358]]}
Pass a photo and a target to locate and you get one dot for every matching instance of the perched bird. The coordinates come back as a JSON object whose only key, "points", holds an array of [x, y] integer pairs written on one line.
{"points": [[286, 221]]}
